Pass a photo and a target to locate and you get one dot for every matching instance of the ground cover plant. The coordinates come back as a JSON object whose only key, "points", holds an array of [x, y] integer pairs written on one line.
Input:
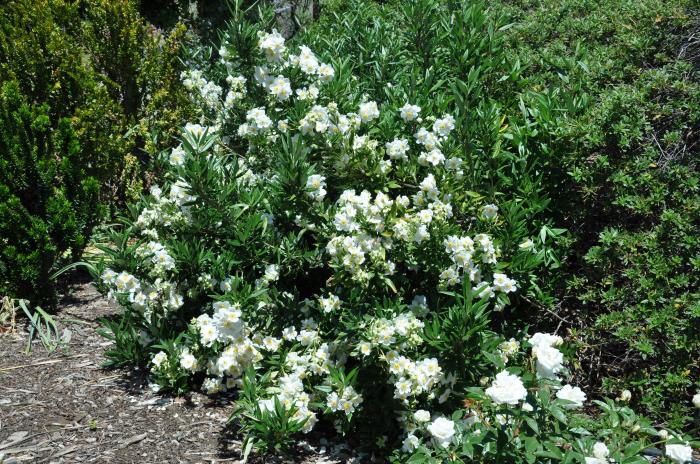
{"points": [[347, 235], [631, 274]]}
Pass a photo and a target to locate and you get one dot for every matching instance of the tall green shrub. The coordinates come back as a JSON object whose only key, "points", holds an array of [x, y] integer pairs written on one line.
{"points": [[48, 201], [75, 78]]}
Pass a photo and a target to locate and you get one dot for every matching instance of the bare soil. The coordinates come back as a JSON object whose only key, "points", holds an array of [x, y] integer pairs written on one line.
{"points": [[65, 407]]}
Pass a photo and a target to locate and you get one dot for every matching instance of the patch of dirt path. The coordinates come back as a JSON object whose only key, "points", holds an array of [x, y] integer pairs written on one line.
{"points": [[63, 407]]}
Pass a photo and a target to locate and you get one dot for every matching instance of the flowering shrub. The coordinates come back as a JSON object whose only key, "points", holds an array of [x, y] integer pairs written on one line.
{"points": [[325, 256]]}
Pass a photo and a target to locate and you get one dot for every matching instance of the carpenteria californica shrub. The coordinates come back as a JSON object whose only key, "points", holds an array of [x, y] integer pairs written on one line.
{"points": [[322, 256]]}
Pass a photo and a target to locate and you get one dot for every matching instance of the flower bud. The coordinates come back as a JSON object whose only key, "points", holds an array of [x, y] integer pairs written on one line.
{"points": [[663, 434], [625, 396]]}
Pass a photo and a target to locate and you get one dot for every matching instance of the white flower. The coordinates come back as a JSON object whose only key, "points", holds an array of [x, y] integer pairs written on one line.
{"points": [[502, 283], [421, 416], [272, 272], [196, 129], [489, 211], [281, 88], [596, 461], [208, 334], [108, 276], [271, 343], [444, 126], [410, 443], [316, 184], [397, 149], [527, 407], [442, 430], [409, 112], [272, 44], [549, 361], [308, 62], [159, 359], [679, 454], [325, 72], [625, 396], [368, 111], [188, 362], [329, 304], [574, 394], [527, 245], [600, 451], [365, 348], [506, 389], [696, 400], [177, 156]]}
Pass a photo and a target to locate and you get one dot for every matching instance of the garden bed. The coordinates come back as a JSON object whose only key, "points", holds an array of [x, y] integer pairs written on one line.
{"points": [[64, 407]]}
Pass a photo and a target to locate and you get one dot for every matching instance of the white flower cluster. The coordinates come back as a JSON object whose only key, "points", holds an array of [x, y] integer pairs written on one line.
{"points": [[257, 122], [291, 394], [413, 378], [441, 431], [237, 90], [209, 92], [346, 402], [161, 294], [161, 212], [158, 256]]}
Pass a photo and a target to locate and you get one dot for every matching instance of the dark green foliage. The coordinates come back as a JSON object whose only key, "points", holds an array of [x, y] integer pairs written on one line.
{"points": [[75, 77], [48, 202], [631, 197]]}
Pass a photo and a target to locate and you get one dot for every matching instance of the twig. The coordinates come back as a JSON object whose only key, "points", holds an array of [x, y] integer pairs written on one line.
{"points": [[53, 361], [29, 437], [42, 363], [109, 377], [544, 308]]}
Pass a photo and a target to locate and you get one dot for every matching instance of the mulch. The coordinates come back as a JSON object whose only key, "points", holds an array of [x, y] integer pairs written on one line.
{"points": [[64, 407]]}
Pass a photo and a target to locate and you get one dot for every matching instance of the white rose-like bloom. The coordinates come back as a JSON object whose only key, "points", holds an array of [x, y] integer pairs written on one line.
{"points": [[281, 88], [442, 430], [549, 361], [489, 211], [368, 111], [410, 443], [421, 416], [696, 400], [600, 451], [177, 156], [409, 112], [188, 362], [574, 394], [506, 389], [325, 72], [679, 454], [159, 359]]}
